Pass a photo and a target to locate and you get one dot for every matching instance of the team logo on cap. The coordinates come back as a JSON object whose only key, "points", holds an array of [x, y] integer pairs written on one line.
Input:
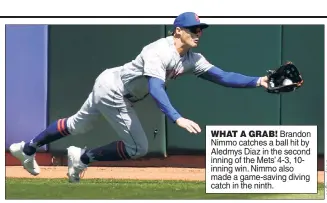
{"points": [[197, 18]]}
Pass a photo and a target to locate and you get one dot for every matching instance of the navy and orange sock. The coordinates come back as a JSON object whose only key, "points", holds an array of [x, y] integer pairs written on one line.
{"points": [[114, 151], [53, 132]]}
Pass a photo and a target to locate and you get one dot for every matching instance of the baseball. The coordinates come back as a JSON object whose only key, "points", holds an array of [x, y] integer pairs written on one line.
{"points": [[287, 82]]}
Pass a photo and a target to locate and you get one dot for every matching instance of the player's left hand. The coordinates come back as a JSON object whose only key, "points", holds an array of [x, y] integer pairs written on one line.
{"points": [[264, 82], [286, 78]]}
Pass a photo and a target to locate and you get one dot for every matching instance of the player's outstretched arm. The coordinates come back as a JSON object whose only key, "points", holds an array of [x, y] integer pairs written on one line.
{"points": [[231, 79], [158, 93]]}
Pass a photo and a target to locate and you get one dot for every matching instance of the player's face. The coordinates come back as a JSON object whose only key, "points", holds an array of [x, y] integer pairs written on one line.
{"points": [[191, 36]]}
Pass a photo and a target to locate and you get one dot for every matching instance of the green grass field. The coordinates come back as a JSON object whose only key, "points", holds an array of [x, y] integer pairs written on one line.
{"points": [[19, 188]]}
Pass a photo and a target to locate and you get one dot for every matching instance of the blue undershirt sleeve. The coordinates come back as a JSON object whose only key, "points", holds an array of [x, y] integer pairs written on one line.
{"points": [[229, 79], [158, 92]]}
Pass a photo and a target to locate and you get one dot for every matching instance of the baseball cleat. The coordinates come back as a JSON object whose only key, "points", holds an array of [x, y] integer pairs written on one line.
{"points": [[75, 166], [29, 163]]}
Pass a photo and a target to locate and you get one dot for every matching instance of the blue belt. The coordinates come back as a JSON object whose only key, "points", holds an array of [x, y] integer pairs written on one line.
{"points": [[132, 98]]}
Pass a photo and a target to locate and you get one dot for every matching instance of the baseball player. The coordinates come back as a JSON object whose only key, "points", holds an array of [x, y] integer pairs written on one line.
{"points": [[116, 89]]}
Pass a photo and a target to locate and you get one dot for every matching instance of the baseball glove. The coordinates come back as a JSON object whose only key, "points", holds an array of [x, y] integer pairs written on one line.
{"points": [[286, 78]]}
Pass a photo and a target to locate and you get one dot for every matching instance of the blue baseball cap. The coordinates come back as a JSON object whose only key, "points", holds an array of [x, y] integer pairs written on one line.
{"points": [[189, 19]]}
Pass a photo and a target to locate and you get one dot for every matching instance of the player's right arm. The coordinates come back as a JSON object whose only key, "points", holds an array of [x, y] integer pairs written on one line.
{"points": [[158, 93], [155, 71]]}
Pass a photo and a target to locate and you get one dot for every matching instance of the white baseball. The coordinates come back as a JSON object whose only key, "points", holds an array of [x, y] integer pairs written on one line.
{"points": [[287, 82]]}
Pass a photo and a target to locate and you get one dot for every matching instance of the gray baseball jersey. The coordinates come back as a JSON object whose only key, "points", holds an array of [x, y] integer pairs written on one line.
{"points": [[158, 59]]}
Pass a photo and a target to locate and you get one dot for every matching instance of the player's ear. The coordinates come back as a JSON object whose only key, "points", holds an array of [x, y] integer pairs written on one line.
{"points": [[178, 31]]}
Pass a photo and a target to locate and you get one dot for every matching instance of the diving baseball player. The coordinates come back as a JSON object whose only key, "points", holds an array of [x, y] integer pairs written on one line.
{"points": [[116, 89]]}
